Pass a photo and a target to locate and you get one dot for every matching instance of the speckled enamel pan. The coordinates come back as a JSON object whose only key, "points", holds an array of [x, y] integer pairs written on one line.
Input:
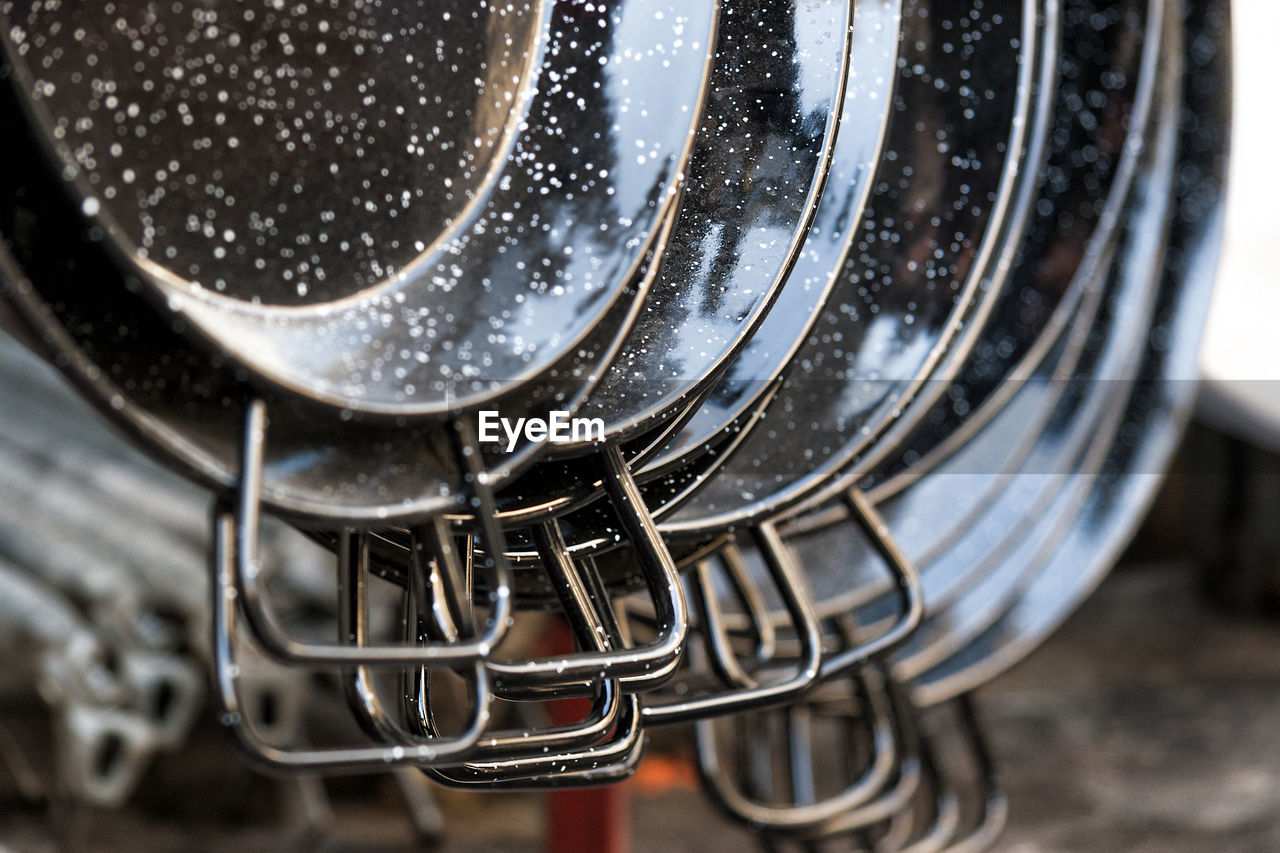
{"points": [[965, 517], [360, 257], [828, 413], [1113, 502]]}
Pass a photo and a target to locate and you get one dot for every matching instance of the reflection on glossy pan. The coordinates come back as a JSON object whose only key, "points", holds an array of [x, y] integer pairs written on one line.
{"points": [[859, 146], [963, 499], [1162, 398], [1021, 407], [952, 511], [372, 294], [760, 162], [975, 599], [137, 361], [777, 770], [1099, 126], [920, 275]]}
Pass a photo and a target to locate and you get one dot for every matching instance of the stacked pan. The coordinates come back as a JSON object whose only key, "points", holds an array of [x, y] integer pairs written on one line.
{"points": [[878, 318]]}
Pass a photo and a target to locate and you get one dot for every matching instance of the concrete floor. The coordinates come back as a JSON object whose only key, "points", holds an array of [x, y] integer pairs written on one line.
{"points": [[1151, 722]]}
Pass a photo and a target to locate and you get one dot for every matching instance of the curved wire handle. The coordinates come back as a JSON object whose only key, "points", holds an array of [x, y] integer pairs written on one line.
{"points": [[226, 604], [236, 593], [886, 784], [904, 835], [603, 747], [440, 621], [276, 642], [640, 668], [745, 692], [995, 806], [606, 744], [907, 583], [606, 747], [944, 832], [611, 761]]}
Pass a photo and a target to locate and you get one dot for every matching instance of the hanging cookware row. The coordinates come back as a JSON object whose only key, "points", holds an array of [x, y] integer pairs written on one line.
{"points": [[861, 295]]}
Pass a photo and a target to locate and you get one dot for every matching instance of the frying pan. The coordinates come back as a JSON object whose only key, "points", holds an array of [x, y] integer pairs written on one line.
{"points": [[129, 338], [597, 528], [1031, 380], [859, 147], [842, 331], [1020, 525], [828, 412], [973, 604], [759, 165], [966, 515], [1160, 401]]}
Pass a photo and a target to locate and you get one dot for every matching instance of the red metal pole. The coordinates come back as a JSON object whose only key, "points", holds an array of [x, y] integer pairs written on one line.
{"points": [[587, 820]]}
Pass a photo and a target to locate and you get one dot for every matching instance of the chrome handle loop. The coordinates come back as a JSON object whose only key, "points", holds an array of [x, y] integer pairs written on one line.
{"points": [[744, 691], [237, 596], [877, 789], [266, 630]]}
